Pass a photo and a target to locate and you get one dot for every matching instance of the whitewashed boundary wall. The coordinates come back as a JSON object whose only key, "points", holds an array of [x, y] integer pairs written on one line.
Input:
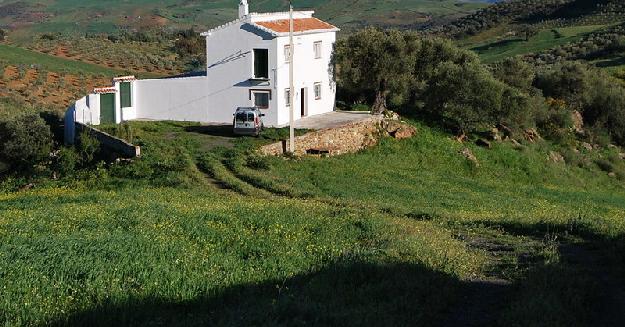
{"points": [[179, 99]]}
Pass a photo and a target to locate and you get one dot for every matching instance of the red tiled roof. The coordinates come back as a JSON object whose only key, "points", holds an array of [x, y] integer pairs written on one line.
{"points": [[299, 25], [108, 89]]}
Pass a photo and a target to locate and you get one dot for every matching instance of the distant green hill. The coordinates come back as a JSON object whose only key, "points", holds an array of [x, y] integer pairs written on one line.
{"points": [[75, 16], [545, 31], [538, 13]]}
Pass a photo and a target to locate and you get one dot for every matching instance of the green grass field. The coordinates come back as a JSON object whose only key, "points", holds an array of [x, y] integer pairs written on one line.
{"points": [[201, 231], [498, 49]]}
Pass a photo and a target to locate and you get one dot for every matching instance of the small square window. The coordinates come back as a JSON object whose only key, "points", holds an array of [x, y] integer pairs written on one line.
{"points": [[261, 99], [287, 53], [317, 49], [317, 91], [287, 97]]}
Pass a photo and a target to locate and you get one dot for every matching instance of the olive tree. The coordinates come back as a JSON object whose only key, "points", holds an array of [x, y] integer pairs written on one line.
{"points": [[376, 64], [516, 73], [466, 97]]}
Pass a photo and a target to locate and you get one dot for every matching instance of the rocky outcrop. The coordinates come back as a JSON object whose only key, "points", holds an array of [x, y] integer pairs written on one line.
{"points": [[531, 135], [556, 157], [398, 129], [578, 122], [467, 154], [348, 138]]}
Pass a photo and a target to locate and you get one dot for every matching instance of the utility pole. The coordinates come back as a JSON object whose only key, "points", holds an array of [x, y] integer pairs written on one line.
{"points": [[291, 86]]}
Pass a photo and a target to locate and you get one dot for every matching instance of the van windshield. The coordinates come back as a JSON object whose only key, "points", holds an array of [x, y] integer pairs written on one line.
{"points": [[245, 117]]}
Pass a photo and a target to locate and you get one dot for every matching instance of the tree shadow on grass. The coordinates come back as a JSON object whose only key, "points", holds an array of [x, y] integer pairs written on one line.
{"points": [[212, 130], [356, 293], [613, 62], [498, 44], [583, 286], [343, 294]]}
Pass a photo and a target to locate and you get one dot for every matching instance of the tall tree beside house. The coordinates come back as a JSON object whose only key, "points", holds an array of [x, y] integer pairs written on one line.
{"points": [[377, 64], [428, 75]]}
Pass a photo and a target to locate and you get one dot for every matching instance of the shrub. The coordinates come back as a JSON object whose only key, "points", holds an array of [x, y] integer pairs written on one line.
{"points": [[25, 140], [555, 120], [520, 110], [466, 97], [599, 97], [66, 161], [257, 162], [88, 147], [605, 165], [571, 157], [516, 73]]}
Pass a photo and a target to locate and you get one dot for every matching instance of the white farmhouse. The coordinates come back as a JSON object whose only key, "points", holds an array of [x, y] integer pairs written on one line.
{"points": [[247, 65]]}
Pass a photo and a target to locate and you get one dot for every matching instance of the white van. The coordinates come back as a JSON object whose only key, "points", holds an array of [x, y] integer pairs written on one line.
{"points": [[248, 121]]}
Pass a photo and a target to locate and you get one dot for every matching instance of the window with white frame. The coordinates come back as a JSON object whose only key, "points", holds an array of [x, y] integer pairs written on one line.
{"points": [[317, 91], [317, 49], [287, 53], [261, 98], [287, 97]]}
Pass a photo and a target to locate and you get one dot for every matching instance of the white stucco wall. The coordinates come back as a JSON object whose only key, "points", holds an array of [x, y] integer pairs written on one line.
{"points": [[182, 99], [307, 72], [230, 66], [87, 110]]}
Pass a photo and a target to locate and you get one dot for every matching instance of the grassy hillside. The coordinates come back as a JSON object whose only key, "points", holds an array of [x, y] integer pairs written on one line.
{"points": [[70, 16], [406, 233], [545, 32], [501, 48]]}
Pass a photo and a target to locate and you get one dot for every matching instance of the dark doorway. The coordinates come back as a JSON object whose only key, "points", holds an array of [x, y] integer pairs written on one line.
{"points": [[261, 63], [303, 102]]}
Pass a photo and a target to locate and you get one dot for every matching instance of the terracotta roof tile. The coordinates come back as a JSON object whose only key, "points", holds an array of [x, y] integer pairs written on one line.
{"points": [[299, 25]]}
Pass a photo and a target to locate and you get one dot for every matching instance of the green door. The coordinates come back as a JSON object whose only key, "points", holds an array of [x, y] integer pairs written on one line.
{"points": [[107, 108], [126, 96]]}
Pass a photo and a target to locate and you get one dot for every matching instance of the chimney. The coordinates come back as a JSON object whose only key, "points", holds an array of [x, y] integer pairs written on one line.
{"points": [[244, 9]]}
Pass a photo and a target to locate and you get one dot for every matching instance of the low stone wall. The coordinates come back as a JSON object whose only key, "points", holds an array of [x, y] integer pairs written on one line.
{"points": [[110, 142], [348, 138]]}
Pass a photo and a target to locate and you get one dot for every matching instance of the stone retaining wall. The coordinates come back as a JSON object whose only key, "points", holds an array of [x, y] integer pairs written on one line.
{"points": [[348, 138]]}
